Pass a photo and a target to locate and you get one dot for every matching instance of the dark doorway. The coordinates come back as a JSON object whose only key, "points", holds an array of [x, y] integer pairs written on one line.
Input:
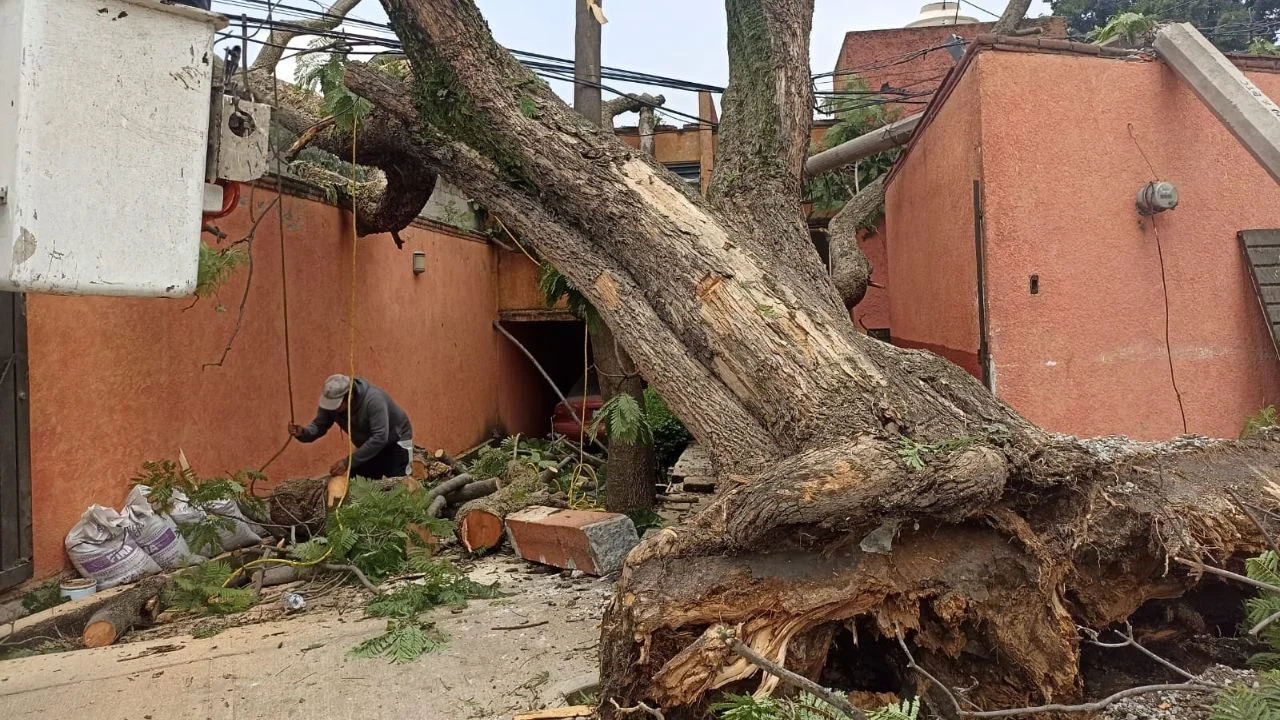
{"points": [[15, 469]]}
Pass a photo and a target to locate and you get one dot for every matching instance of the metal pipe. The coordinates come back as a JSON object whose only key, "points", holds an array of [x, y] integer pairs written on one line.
{"points": [[866, 145]]}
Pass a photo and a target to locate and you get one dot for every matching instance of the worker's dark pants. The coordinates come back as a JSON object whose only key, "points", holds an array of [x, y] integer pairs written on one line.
{"points": [[391, 462]]}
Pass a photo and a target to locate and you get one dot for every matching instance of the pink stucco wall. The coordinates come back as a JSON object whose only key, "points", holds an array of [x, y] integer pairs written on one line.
{"points": [[929, 235], [114, 382], [872, 313], [1059, 142]]}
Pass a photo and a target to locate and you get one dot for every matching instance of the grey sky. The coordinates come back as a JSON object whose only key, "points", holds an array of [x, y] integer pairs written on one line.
{"points": [[682, 39]]}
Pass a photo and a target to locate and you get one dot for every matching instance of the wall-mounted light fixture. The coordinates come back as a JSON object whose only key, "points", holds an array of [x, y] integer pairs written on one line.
{"points": [[419, 262], [1156, 197]]}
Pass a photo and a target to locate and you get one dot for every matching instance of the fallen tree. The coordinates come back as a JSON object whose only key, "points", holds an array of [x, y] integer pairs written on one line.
{"points": [[865, 488]]}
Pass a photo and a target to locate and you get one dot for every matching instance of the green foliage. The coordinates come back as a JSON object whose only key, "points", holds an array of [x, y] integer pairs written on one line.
{"points": [[200, 588], [1228, 24], [747, 707], [555, 287], [404, 640], [166, 480], [626, 422], [216, 265], [1264, 418], [490, 462], [857, 112], [1242, 702], [645, 519], [323, 72], [905, 710], [406, 636], [442, 584], [1262, 46], [371, 529], [804, 706], [1130, 26], [44, 597], [916, 455], [670, 438]]}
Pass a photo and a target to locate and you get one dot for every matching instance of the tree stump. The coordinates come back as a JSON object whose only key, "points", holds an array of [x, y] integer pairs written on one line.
{"points": [[299, 503]]}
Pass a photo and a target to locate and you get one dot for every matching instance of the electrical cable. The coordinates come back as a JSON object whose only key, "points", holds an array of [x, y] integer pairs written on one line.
{"points": [[1164, 286]]}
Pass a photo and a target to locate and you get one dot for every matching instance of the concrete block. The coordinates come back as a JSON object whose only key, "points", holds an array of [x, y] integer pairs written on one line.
{"points": [[1244, 109], [593, 542]]}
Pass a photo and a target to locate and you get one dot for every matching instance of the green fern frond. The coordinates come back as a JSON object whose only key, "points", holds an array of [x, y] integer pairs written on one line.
{"points": [[200, 588], [905, 710], [216, 265], [625, 420], [1242, 702], [404, 640], [555, 287], [747, 707]]}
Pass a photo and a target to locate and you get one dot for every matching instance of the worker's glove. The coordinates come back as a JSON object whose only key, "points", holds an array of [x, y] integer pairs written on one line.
{"points": [[339, 468], [295, 431]]}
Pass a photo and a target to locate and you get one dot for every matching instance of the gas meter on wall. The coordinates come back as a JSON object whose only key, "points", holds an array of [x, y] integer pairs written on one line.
{"points": [[104, 122]]}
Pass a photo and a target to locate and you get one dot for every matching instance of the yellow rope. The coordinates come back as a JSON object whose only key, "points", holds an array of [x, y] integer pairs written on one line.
{"points": [[351, 448], [514, 240]]}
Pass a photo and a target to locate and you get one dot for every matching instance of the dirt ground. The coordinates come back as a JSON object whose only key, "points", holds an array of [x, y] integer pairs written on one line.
{"points": [[299, 666]]}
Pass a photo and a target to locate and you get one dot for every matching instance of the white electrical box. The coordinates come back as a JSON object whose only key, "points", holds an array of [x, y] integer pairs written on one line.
{"points": [[104, 122]]}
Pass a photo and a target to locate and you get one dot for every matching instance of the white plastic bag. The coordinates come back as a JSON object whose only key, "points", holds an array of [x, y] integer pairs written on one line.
{"points": [[238, 535], [101, 549], [156, 534]]}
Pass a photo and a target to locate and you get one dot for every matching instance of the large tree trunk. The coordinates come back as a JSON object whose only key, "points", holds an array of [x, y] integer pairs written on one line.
{"points": [[829, 442]]}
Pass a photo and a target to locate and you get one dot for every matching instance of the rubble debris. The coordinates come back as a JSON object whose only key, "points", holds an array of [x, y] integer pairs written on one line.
{"points": [[593, 542], [694, 471], [575, 711]]}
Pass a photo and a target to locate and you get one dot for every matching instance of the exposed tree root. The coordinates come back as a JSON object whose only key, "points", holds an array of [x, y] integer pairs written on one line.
{"points": [[990, 575]]}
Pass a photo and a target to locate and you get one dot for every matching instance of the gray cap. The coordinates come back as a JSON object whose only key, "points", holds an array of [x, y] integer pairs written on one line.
{"points": [[335, 391]]}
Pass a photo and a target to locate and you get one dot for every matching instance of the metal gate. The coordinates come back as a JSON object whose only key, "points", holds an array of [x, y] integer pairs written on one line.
{"points": [[15, 467]]}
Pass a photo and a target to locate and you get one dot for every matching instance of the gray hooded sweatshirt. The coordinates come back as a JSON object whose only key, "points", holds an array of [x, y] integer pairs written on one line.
{"points": [[376, 420]]}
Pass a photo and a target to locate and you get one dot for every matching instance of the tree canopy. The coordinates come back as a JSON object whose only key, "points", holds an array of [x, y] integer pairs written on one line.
{"points": [[1229, 24]]}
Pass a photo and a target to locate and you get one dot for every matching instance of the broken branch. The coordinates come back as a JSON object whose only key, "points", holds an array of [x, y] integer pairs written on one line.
{"points": [[638, 707], [1131, 641], [835, 700], [364, 580], [1095, 706], [1201, 567]]}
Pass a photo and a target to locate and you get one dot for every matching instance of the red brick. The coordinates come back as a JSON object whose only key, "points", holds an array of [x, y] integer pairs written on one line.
{"points": [[593, 542]]}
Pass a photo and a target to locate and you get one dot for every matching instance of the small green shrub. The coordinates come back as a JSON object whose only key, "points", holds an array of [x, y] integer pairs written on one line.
{"points": [[1264, 418]]}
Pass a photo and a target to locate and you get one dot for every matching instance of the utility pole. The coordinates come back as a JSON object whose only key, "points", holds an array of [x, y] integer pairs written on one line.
{"points": [[633, 469], [586, 60]]}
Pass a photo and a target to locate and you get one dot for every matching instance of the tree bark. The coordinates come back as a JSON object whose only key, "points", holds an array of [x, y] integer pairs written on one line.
{"points": [[862, 483], [850, 269], [632, 468], [1011, 17], [136, 607]]}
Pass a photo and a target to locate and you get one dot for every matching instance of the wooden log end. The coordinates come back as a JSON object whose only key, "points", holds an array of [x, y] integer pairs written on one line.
{"points": [[480, 530], [99, 633]]}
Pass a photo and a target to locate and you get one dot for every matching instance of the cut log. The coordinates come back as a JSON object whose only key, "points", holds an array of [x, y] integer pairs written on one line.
{"points": [[473, 490], [136, 607], [67, 619], [74, 618], [480, 520]]}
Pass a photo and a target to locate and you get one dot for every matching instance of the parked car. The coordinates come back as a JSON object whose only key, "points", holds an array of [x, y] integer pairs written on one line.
{"points": [[563, 422]]}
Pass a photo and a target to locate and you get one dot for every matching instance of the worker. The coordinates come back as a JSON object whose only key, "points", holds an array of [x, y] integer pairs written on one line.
{"points": [[380, 430]]}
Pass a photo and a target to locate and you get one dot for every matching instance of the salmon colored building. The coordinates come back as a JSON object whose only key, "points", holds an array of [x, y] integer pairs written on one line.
{"points": [[114, 382], [910, 63], [1015, 249]]}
